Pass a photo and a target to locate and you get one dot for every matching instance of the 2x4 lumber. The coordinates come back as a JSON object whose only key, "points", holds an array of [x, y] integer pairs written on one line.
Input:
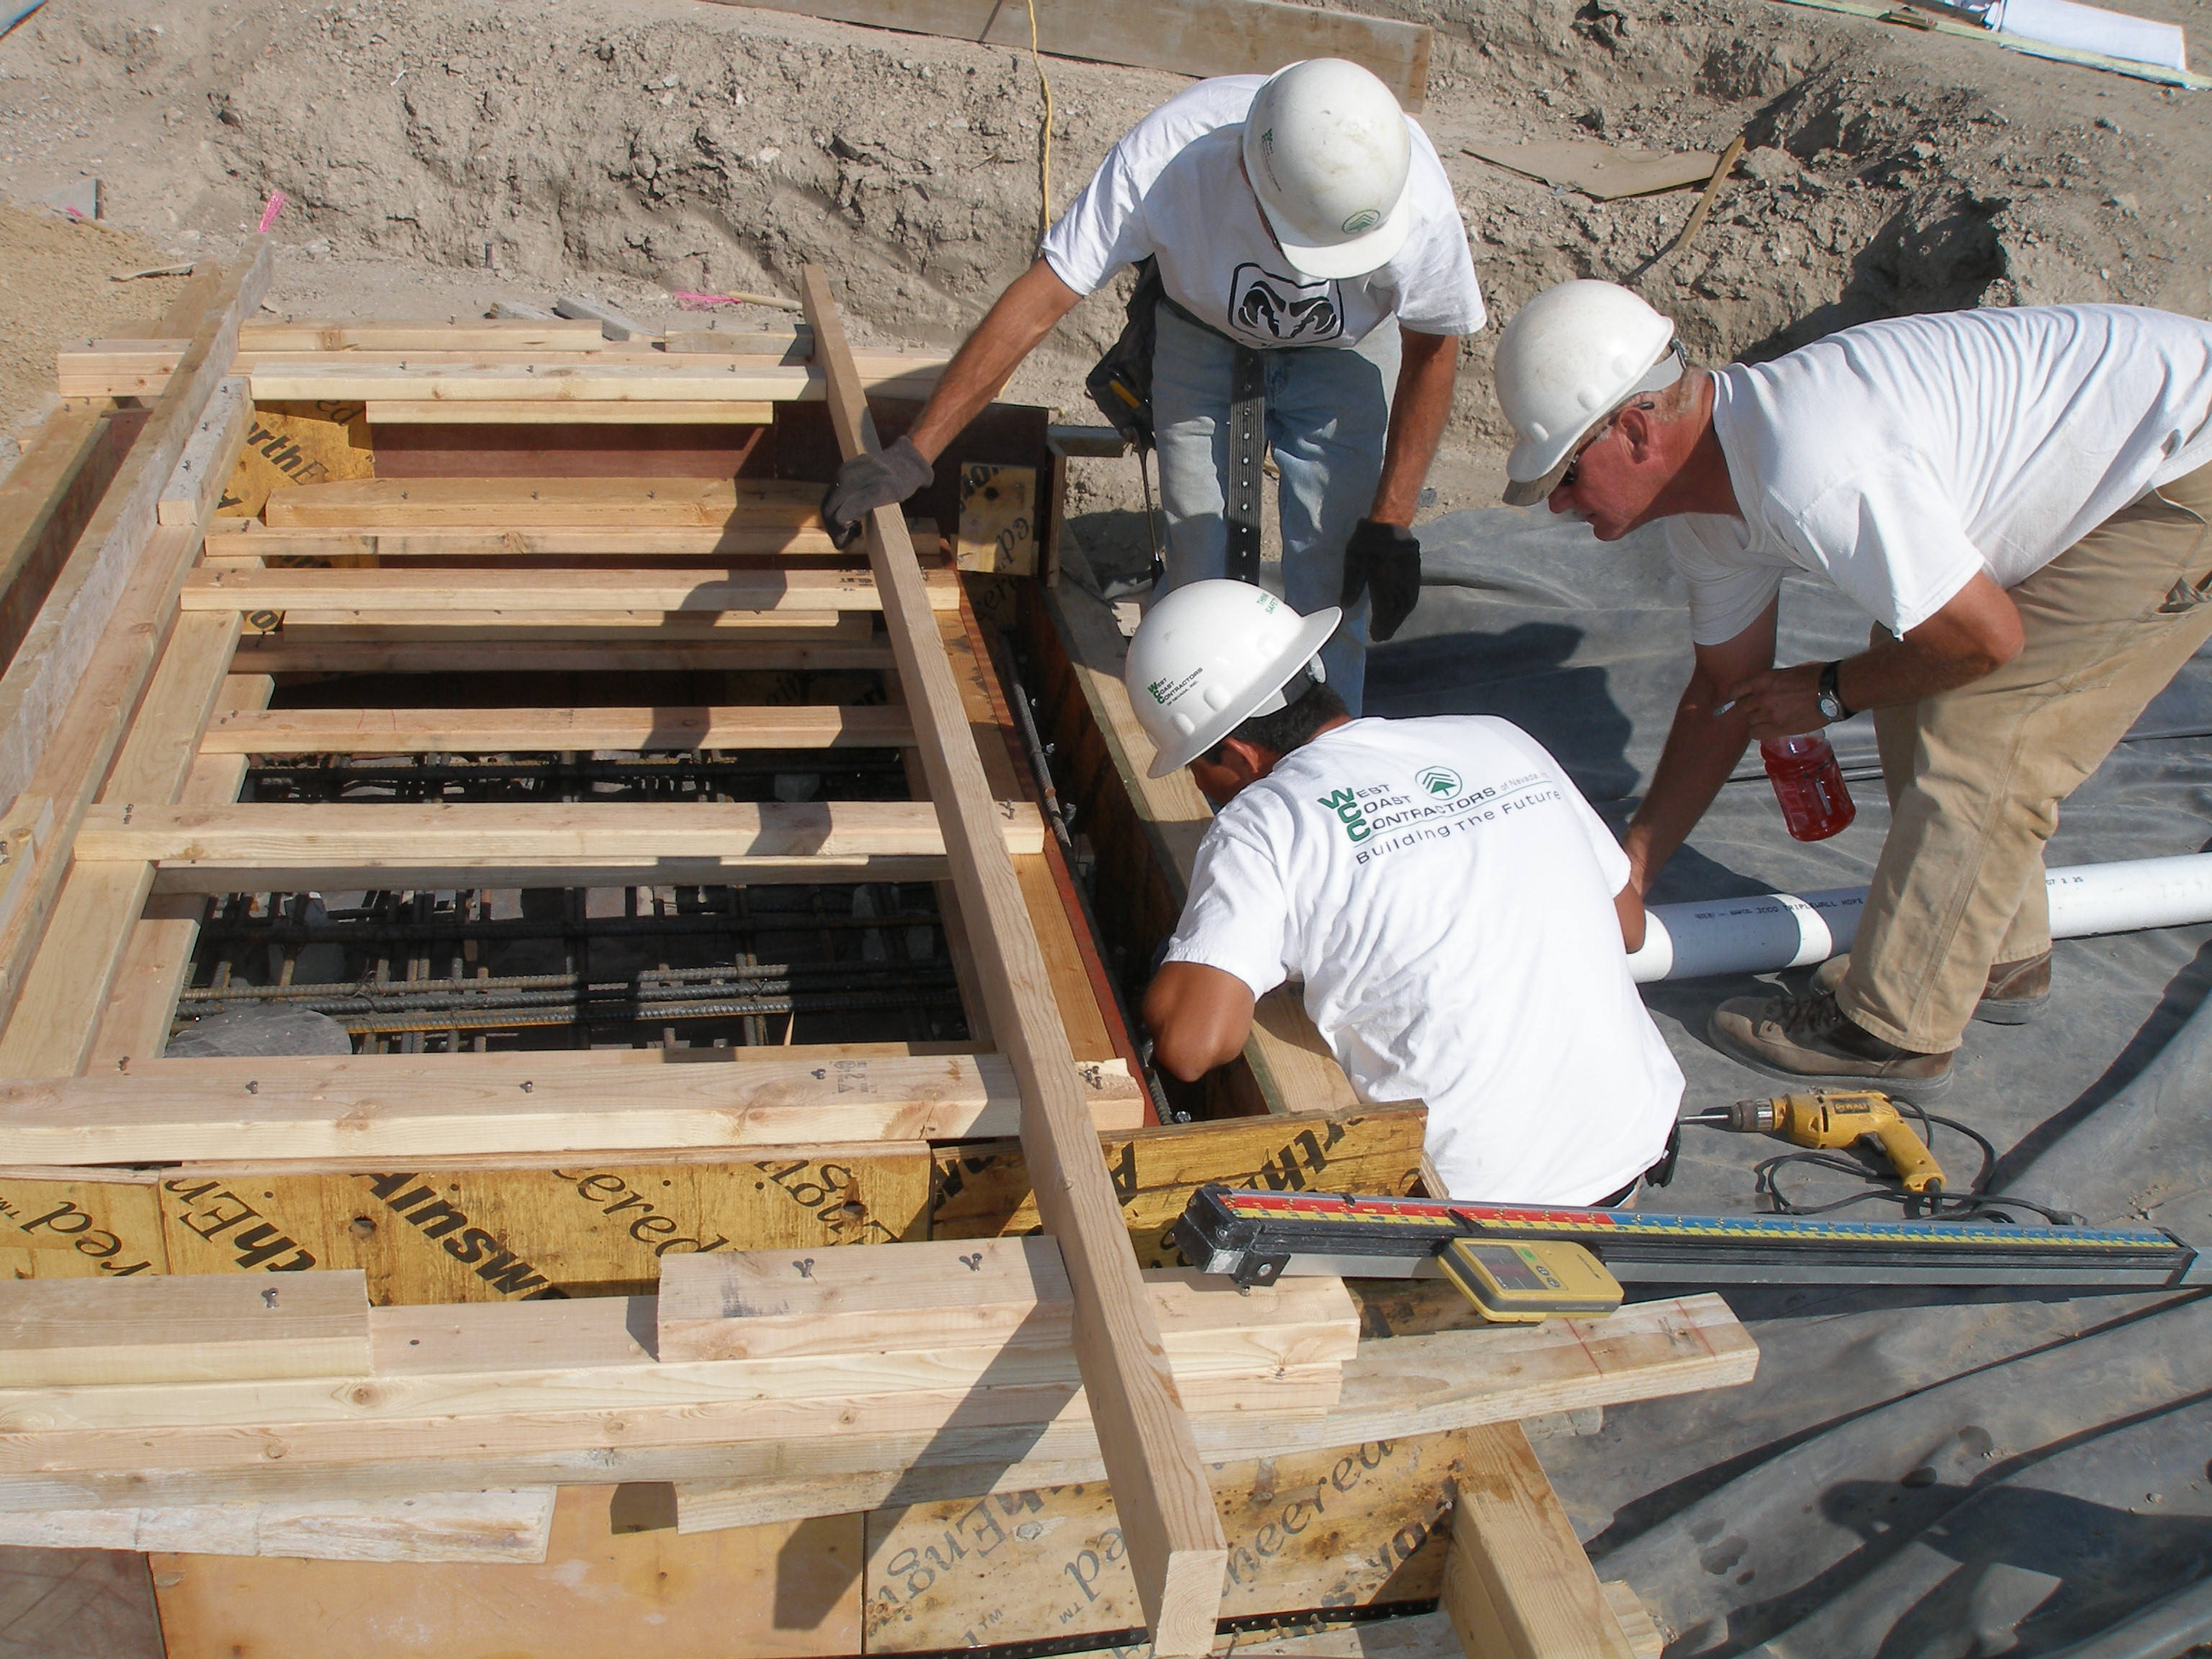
{"points": [[505, 504], [545, 593], [348, 334], [670, 381], [291, 652], [262, 848], [1518, 1583], [51, 1031], [65, 700], [76, 1333], [313, 630], [390, 411], [338, 1109], [43, 500], [497, 1527], [142, 1002], [1177, 1552], [516, 1375], [1449, 1381], [500, 730], [752, 540], [1196, 38], [196, 486]]}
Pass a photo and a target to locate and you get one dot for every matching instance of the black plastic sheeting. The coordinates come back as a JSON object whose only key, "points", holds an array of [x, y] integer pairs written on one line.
{"points": [[1914, 1475]]}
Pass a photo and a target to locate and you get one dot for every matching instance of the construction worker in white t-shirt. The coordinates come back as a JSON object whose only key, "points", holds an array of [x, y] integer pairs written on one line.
{"points": [[1459, 917], [1311, 279], [2019, 499]]}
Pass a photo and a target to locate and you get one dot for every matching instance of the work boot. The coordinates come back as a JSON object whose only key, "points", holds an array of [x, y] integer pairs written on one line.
{"points": [[1811, 1039], [2014, 994]]}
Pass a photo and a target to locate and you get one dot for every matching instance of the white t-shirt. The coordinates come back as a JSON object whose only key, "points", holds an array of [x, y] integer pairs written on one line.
{"points": [[1898, 458], [1171, 187], [1446, 895]]}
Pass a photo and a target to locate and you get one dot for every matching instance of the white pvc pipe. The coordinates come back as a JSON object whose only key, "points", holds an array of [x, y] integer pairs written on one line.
{"points": [[1794, 930]]}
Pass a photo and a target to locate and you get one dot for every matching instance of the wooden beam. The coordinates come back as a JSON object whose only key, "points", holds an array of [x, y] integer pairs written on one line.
{"points": [[546, 594], [1178, 1551], [498, 731], [261, 848], [1395, 1386], [72, 1332], [71, 980], [1518, 1585], [337, 1110], [311, 631], [687, 379], [501, 505], [45, 501], [350, 334], [568, 412], [1197, 37], [708, 541], [498, 1527], [196, 486]]}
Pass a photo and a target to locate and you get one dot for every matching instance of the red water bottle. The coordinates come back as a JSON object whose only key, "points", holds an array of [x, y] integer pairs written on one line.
{"points": [[1810, 784]]}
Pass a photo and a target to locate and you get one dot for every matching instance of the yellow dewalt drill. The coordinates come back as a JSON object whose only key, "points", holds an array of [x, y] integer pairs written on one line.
{"points": [[1835, 1118]]}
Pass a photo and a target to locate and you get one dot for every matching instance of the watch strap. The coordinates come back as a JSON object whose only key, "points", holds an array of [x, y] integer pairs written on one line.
{"points": [[1830, 693]]}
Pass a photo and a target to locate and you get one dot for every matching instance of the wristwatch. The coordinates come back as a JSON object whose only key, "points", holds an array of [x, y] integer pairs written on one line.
{"points": [[1830, 699]]}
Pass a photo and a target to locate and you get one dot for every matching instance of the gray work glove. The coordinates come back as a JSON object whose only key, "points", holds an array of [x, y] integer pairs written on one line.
{"points": [[1387, 558], [868, 481]]}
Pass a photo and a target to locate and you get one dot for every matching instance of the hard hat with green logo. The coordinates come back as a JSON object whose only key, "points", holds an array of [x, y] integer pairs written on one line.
{"points": [[1330, 158], [1210, 656]]}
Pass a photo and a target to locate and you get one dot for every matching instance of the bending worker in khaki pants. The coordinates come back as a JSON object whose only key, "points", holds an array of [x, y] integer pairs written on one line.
{"points": [[2020, 498]]}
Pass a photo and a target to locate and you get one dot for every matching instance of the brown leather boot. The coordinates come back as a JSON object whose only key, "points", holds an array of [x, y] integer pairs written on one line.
{"points": [[1811, 1039], [2014, 994]]}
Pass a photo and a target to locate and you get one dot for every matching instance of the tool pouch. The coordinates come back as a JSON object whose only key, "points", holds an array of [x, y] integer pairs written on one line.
{"points": [[1121, 383]]}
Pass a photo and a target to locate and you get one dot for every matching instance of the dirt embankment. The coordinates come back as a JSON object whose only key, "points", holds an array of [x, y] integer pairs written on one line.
{"points": [[441, 153]]}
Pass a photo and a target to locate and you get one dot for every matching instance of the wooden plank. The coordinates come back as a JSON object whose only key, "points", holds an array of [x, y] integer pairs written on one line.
{"points": [[312, 631], [1178, 1551], [508, 504], [1397, 1386], [1196, 38], [63, 1333], [66, 698], [1363, 1526], [340, 1110], [512, 1527], [83, 610], [746, 540], [569, 412], [983, 1190], [498, 731], [142, 999], [1644, 1637], [87, 1224], [45, 501], [550, 593], [254, 848], [348, 334], [57, 1016], [614, 1578], [190, 496], [1518, 1582], [670, 381]]}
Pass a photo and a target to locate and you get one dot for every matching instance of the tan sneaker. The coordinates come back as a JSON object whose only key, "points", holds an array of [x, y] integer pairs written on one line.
{"points": [[2014, 994], [1811, 1039]]}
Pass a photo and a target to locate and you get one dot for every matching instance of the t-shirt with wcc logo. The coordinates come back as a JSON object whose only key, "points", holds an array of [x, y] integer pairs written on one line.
{"points": [[1446, 895], [1172, 187]]}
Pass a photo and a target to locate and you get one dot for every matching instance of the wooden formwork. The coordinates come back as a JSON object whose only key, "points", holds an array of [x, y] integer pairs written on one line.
{"points": [[318, 529]]}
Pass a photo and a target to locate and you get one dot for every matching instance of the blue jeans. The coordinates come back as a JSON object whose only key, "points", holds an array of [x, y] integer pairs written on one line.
{"points": [[1328, 412]]}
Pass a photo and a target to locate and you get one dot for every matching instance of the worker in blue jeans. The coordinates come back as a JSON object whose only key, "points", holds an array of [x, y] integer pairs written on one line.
{"points": [[1314, 281]]}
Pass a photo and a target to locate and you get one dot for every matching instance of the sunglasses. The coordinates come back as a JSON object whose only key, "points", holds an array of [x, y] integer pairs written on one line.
{"points": [[1575, 467]]}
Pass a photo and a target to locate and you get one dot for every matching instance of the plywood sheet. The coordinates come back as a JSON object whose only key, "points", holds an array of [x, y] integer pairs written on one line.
{"points": [[1350, 1527], [983, 1189], [85, 1229], [293, 444], [764, 1592], [590, 1227], [1607, 172]]}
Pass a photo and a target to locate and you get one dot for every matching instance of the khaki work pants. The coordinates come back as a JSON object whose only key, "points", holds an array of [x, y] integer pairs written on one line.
{"points": [[1975, 775]]}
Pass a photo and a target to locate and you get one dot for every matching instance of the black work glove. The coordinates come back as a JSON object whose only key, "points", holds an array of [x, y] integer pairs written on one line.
{"points": [[1386, 557], [868, 481]]}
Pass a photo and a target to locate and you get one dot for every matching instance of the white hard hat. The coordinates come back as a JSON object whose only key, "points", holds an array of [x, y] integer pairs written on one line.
{"points": [[1569, 358], [1329, 155], [1208, 657]]}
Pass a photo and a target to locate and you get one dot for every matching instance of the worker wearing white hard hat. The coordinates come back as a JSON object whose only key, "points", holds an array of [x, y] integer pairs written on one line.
{"points": [[1308, 278], [2018, 497], [1457, 917]]}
